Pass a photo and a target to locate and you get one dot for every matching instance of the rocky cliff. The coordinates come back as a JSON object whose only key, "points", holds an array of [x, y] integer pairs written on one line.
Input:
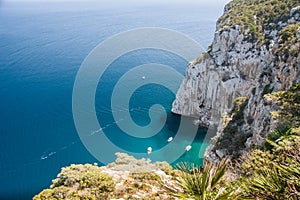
{"points": [[255, 51], [126, 178]]}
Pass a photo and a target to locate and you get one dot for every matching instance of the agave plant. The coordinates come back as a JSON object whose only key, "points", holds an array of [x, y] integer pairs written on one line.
{"points": [[280, 133], [280, 177], [265, 184], [291, 175], [202, 184]]}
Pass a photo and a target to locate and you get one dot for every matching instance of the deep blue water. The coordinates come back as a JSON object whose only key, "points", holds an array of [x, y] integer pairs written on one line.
{"points": [[42, 46]]}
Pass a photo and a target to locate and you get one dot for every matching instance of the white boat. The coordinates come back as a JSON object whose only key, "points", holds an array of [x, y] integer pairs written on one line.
{"points": [[149, 150], [43, 157], [170, 139], [143, 77], [188, 147]]}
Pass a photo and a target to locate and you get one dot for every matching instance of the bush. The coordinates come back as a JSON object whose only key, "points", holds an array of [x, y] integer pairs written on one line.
{"points": [[289, 102], [203, 185], [79, 182], [273, 174], [287, 41], [256, 16]]}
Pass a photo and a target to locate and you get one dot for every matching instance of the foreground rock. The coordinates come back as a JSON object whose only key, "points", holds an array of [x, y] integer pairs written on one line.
{"points": [[126, 178]]}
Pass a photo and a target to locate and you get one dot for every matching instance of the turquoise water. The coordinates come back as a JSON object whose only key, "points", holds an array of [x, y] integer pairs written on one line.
{"points": [[42, 46]]}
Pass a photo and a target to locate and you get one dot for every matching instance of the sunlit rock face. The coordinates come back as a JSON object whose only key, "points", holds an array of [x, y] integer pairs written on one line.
{"points": [[235, 66], [229, 69]]}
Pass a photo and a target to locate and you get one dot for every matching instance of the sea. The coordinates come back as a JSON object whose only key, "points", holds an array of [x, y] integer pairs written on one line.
{"points": [[42, 46]]}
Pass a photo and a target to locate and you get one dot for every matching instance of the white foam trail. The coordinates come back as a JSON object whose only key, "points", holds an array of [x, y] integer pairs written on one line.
{"points": [[45, 156], [93, 132]]}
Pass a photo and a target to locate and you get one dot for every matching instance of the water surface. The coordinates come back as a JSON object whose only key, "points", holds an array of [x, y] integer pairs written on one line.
{"points": [[42, 46]]}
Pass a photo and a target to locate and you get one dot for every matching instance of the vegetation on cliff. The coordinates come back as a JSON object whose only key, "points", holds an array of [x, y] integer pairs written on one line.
{"points": [[126, 178], [275, 173], [271, 171], [256, 16], [288, 41], [79, 182], [266, 167], [203, 183]]}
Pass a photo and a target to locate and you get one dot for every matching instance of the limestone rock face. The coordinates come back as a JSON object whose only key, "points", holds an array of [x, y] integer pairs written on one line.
{"points": [[234, 66], [229, 69]]}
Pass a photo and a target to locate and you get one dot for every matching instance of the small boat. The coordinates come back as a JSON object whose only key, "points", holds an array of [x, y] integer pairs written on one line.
{"points": [[143, 77], [43, 157], [149, 150], [170, 139], [188, 147]]}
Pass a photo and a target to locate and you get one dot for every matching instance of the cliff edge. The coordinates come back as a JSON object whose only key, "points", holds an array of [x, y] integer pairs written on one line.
{"points": [[255, 51]]}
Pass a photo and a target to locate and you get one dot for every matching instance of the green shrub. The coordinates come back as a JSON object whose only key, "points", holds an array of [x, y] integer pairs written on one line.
{"points": [[203, 185], [273, 174], [289, 102], [79, 182], [287, 39], [257, 15]]}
